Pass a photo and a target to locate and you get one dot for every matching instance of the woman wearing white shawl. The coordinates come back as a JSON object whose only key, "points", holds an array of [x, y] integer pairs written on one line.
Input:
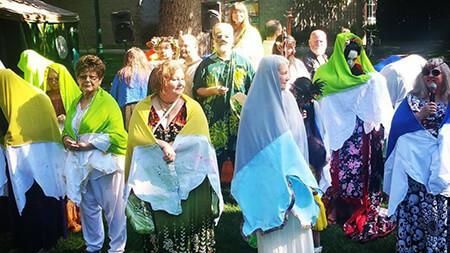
{"points": [[272, 182], [417, 172], [31, 164]]}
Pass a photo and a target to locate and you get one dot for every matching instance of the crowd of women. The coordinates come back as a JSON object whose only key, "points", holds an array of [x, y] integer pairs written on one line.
{"points": [[312, 141]]}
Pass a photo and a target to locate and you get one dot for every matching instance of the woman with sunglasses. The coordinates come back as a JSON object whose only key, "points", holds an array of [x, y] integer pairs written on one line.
{"points": [[417, 166]]}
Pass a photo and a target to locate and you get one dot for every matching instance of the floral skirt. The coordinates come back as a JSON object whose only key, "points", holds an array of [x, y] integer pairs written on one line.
{"points": [[354, 198], [422, 220], [192, 231]]}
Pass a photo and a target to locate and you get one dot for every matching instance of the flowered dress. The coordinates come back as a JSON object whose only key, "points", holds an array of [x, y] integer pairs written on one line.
{"points": [[222, 114], [193, 230], [422, 217], [355, 195]]}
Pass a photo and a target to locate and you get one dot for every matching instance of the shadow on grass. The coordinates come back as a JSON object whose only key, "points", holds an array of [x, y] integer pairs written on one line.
{"points": [[228, 239]]}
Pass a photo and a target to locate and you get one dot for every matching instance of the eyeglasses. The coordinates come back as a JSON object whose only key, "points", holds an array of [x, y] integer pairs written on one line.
{"points": [[52, 78], [85, 77], [433, 72]]}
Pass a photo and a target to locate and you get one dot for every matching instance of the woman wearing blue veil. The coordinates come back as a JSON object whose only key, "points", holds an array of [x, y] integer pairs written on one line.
{"points": [[272, 182]]}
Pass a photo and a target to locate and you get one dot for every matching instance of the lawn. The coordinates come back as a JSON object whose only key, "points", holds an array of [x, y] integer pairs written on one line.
{"points": [[229, 239]]}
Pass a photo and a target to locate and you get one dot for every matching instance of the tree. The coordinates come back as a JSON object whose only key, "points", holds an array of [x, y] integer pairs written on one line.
{"points": [[176, 16]]}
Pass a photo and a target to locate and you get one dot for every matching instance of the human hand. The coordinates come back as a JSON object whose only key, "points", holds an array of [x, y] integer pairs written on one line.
{"points": [[168, 151], [304, 114], [84, 146], [221, 90], [70, 143], [61, 118], [429, 109]]}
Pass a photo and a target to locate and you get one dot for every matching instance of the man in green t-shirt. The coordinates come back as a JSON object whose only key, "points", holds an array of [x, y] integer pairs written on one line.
{"points": [[220, 82]]}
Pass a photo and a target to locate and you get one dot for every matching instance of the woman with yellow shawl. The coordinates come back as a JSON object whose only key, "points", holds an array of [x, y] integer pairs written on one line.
{"points": [[95, 138], [356, 112], [247, 40], [172, 166], [62, 91], [31, 160]]}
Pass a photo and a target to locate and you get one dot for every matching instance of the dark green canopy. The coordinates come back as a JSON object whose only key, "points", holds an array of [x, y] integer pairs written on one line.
{"points": [[33, 24]]}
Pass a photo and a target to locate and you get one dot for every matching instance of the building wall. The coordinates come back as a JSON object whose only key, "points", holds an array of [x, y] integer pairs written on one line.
{"points": [[87, 28], [145, 15]]}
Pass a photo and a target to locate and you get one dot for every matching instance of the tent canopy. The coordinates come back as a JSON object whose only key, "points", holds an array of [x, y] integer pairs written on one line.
{"points": [[35, 11]]}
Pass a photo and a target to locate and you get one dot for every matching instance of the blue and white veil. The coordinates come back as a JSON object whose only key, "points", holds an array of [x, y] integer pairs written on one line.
{"points": [[272, 176]]}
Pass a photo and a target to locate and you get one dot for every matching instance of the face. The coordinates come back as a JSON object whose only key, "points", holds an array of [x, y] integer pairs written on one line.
{"points": [[188, 48], [89, 81], [175, 84], [52, 80], [432, 75], [318, 43], [351, 58], [223, 39], [165, 51], [290, 48], [238, 16], [283, 75]]}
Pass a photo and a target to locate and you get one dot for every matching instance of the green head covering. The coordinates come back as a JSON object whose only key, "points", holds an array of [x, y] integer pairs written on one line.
{"points": [[102, 116], [336, 73], [33, 66], [67, 86]]}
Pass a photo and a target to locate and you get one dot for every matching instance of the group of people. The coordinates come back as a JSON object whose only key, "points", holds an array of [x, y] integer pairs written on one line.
{"points": [[306, 138]]}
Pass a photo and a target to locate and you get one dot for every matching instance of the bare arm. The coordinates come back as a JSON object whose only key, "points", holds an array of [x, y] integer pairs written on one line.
{"points": [[212, 91], [167, 149]]}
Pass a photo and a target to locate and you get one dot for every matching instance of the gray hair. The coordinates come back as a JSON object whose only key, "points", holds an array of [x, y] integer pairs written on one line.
{"points": [[420, 88]]}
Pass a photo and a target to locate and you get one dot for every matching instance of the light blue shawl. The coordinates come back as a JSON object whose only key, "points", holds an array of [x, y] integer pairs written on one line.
{"points": [[272, 176]]}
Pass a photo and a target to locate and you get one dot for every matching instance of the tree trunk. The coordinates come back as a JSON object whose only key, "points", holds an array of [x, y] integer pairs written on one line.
{"points": [[180, 15]]}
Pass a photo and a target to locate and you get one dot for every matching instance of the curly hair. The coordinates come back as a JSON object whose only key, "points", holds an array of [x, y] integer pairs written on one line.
{"points": [[162, 72], [92, 63], [155, 43]]}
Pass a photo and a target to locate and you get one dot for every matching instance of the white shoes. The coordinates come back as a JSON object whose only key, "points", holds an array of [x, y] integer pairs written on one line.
{"points": [[318, 249]]}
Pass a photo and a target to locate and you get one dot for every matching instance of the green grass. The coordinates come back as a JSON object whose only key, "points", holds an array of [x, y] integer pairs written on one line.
{"points": [[229, 239]]}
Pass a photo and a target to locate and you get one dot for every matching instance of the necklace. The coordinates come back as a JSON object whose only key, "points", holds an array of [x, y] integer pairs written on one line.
{"points": [[165, 106]]}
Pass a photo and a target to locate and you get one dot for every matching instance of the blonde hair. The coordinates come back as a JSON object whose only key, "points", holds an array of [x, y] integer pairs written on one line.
{"points": [[420, 88], [134, 60], [239, 29], [164, 71]]}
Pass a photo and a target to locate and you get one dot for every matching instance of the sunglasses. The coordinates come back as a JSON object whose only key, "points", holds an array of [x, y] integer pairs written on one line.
{"points": [[433, 72]]}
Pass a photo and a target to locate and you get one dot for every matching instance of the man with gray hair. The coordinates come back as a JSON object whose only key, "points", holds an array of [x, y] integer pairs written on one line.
{"points": [[316, 55], [221, 80]]}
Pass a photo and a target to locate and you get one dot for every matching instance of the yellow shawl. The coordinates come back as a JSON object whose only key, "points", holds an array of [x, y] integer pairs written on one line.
{"points": [[28, 111], [141, 134]]}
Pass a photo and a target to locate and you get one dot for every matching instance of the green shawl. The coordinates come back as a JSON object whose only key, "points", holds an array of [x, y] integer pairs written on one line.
{"points": [[67, 86], [33, 66], [102, 116], [336, 73]]}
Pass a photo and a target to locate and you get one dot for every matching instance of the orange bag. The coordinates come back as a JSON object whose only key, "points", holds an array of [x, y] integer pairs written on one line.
{"points": [[226, 174]]}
